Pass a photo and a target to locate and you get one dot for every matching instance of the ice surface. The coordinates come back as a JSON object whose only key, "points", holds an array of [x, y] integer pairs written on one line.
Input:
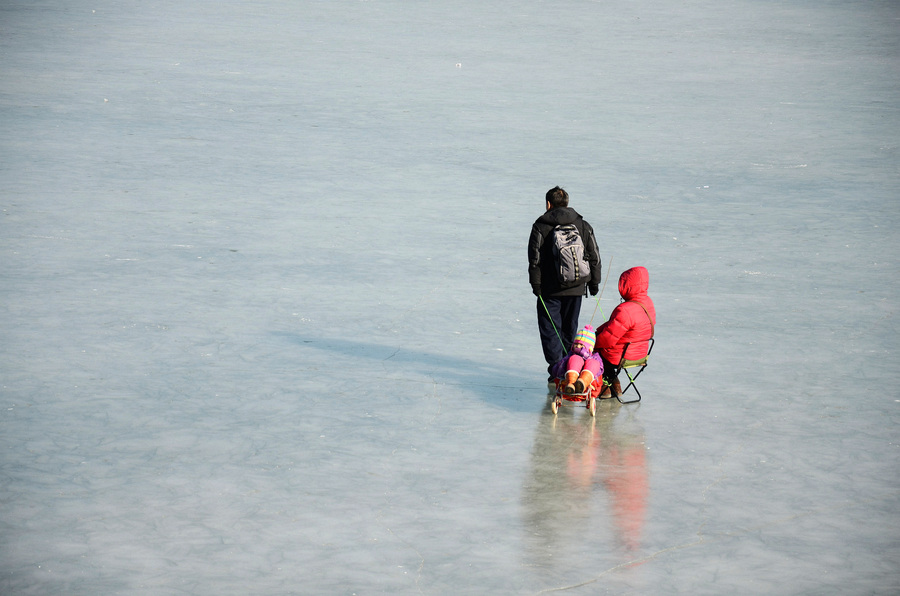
{"points": [[266, 326]]}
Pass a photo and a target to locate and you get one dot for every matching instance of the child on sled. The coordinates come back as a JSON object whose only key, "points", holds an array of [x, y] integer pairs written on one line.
{"points": [[579, 368]]}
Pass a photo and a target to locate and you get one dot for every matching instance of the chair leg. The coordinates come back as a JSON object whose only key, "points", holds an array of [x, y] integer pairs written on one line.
{"points": [[631, 401], [631, 379], [629, 386]]}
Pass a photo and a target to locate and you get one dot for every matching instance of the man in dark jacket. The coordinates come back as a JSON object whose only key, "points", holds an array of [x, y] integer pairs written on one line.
{"points": [[558, 307]]}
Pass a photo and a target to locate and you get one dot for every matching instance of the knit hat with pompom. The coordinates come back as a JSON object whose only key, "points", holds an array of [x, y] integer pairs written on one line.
{"points": [[586, 337]]}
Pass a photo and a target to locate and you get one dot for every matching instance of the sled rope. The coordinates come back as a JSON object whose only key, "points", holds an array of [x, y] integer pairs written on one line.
{"points": [[547, 310], [600, 295]]}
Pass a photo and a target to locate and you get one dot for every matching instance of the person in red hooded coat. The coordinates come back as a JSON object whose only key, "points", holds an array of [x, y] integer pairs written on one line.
{"points": [[633, 321]]}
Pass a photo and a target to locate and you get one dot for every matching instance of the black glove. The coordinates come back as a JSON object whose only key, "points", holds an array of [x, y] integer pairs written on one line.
{"points": [[594, 289], [536, 290]]}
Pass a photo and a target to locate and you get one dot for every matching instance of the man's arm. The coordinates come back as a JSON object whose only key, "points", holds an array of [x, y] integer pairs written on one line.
{"points": [[592, 253], [535, 243]]}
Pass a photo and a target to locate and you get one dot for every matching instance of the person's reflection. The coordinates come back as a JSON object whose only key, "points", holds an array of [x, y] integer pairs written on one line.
{"points": [[573, 455]]}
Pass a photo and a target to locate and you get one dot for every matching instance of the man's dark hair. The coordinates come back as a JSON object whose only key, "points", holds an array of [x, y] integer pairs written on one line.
{"points": [[557, 197]]}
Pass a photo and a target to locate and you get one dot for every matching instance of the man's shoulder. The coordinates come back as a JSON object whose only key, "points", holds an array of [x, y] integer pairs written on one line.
{"points": [[543, 223], [558, 216], [588, 228]]}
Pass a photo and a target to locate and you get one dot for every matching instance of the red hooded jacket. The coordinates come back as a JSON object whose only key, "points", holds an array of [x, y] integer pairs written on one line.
{"points": [[628, 321]]}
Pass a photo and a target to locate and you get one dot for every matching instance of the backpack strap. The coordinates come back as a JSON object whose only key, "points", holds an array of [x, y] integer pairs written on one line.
{"points": [[652, 326]]}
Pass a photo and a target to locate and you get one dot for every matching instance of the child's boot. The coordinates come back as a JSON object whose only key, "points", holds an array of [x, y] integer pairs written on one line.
{"points": [[569, 383], [584, 381]]}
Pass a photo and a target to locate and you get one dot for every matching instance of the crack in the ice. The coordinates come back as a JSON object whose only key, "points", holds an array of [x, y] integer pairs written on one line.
{"points": [[418, 554], [709, 540], [632, 563], [380, 519], [434, 394]]}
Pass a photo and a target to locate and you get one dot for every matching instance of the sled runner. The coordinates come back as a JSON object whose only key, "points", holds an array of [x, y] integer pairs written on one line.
{"points": [[588, 397]]}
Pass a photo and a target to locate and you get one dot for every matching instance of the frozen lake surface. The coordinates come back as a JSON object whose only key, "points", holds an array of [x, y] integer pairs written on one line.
{"points": [[265, 319]]}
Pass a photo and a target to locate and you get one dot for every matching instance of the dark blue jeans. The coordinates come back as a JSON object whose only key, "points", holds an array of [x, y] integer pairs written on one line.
{"points": [[558, 328]]}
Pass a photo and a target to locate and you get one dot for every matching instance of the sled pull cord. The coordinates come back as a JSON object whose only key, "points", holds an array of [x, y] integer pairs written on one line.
{"points": [[547, 310], [600, 295]]}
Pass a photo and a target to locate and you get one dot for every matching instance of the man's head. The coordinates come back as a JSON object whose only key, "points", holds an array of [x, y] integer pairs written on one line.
{"points": [[557, 197]]}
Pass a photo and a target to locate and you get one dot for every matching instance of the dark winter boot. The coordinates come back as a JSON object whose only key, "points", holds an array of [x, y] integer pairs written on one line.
{"points": [[606, 393]]}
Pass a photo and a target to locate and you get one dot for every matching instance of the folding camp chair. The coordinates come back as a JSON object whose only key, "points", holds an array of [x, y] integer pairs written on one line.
{"points": [[628, 366]]}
